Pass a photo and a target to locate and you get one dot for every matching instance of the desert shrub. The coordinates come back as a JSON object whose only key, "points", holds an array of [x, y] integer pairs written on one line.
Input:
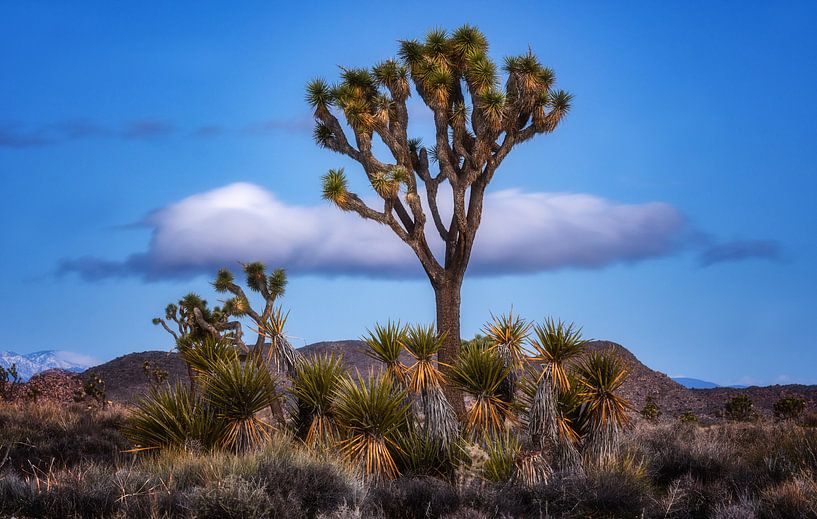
{"points": [[789, 408], [796, 498], [94, 387], [78, 492], [50, 435], [305, 490], [9, 379], [232, 497], [412, 498], [739, 409], [743, 508], [651, 411], [688, 417]]}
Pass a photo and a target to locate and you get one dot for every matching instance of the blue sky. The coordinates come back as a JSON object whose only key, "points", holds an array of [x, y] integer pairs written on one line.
{"points": [[110, 113]]}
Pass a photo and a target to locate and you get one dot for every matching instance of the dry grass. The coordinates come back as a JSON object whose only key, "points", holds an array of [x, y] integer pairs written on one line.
{"points": [[69, 462]]}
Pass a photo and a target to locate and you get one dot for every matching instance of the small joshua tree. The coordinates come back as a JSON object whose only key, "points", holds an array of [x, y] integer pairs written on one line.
{"points": [[95, 388], [9, 379], [740, 409], [688, 417], [477, 125], [155, 375], [651, 411], [789, 408]]}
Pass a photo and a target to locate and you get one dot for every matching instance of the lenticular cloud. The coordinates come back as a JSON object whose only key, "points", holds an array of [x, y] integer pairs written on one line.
{"points": [[521, 233]]}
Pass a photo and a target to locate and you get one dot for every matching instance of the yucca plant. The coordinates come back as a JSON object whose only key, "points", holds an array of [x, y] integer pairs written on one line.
{"points": [[202, 354], [419, 454], [313, 386], [280, 352], [426, 380], [385, 344], [508, 462], [554, 344], [600, 376], [172, 417], [508, 334], [371, 412], [502, 450], [479, 372], [238, 392]]}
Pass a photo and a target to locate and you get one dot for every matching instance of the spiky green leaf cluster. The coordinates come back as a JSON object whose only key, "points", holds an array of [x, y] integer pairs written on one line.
{"points": [[555, 343], [314, 385], [385, 344], [335, 188], [371, 412]]}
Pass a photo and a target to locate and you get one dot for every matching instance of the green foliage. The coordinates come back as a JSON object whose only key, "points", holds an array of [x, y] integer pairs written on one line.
{"points": [[9, 379], [371, 413], [94, 387], [789, 408], [556, 343], [172, 417], [600, 376], [479, 372], [155, 374], [335, 188], [202, 355], [314, 386], [651, 411], [688, 417], [385, 344], [502, 452], [740, 409], [319, 94], [238, 393]]}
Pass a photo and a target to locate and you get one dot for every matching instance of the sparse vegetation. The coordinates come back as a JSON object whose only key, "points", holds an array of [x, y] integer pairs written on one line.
{"points": [[740, 409], [78, 468], [789, 408], [651, 411]]}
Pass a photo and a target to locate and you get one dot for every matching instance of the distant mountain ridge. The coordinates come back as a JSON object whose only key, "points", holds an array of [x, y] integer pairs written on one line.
{"points": [[30, 364], [695, 383]]}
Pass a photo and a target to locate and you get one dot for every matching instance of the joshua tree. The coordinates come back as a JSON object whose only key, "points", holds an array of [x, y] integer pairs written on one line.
{"points": [[477, 124], [193, 319]]}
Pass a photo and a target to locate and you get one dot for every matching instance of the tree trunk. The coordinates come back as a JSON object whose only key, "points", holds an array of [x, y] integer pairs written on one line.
{"points": [[448, 323]]}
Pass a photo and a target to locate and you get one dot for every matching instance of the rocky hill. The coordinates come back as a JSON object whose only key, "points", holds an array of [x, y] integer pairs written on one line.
{"points": [[126, 379]]}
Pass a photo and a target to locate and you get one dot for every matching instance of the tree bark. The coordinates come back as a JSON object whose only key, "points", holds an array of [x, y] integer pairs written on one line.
{"points": [[448, 325]]}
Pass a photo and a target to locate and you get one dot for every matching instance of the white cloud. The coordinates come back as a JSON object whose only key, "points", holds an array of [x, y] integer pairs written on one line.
{"points": [[520, 232]]}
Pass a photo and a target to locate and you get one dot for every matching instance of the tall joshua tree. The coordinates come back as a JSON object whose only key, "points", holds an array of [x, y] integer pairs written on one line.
{"points": [[477, 124]]}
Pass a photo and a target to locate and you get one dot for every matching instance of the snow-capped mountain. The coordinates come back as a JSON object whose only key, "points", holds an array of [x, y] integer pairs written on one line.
{"points": [[30, 364]]}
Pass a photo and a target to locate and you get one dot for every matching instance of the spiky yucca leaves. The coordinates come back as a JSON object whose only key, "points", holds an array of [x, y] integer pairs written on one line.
{"points": [[280, 352], [202, 354], [600, 376], [420, 455], [238, 392], [336, 188], [508, 334], [502, 450], [423, 343], [555, 343], [385, 344], [426, 380], [479, 372], [371, 412], [313, 386], [172, 417]]}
